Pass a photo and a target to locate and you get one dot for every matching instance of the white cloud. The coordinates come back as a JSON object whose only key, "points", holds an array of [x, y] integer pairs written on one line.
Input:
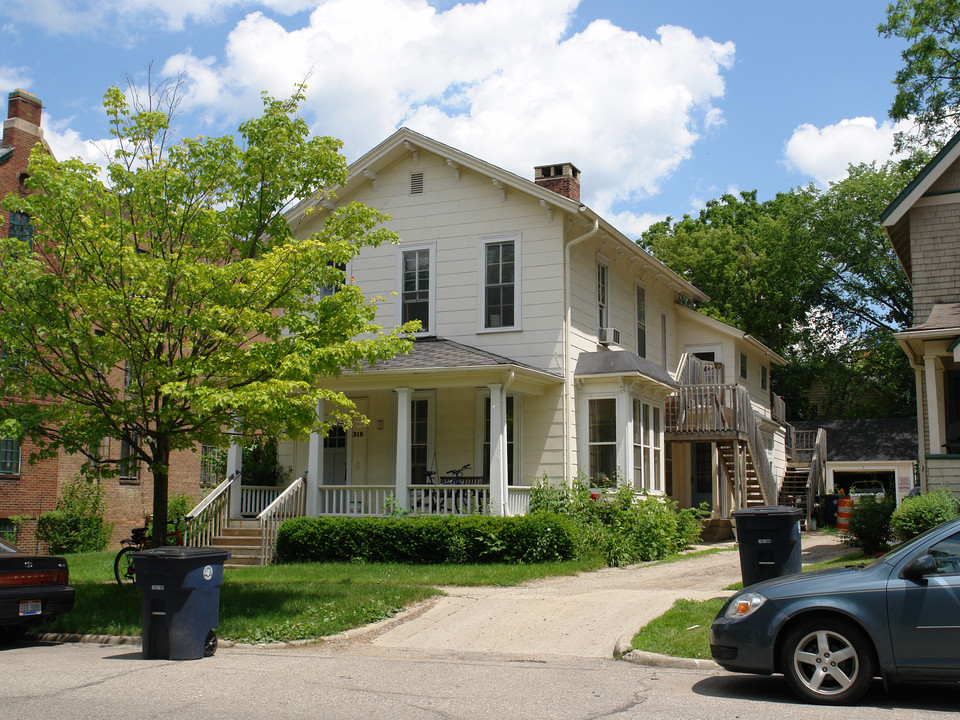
{"points": [[824, 154], [500, 79], [12, 78]]}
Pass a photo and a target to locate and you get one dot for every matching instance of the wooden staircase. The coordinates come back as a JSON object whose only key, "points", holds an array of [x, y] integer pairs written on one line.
{"points": [[244, 541], [727, 450], [793, 491]]}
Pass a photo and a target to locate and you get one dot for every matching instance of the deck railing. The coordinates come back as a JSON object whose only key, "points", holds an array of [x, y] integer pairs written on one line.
{"points": [[464, 499], [210, 516], [291, 503], [518, 499], [817, 476], [354, 499], [255, 498]]}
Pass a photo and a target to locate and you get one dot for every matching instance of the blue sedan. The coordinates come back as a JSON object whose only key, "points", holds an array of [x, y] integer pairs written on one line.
{"points": [[832, 632]]}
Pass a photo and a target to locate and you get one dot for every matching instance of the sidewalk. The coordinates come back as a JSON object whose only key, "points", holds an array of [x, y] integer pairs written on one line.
{"points": [[590, 615]]}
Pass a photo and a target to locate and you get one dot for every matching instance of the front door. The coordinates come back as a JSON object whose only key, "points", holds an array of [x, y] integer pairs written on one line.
{"points": [[701, 482], [335, 457]]}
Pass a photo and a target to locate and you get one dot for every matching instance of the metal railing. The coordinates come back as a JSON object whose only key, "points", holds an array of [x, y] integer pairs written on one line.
{"points": [[291, 503], [211, 515]]}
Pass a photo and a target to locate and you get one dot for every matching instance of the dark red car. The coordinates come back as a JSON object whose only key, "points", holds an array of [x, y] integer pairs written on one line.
{"points": [[33, 589]]}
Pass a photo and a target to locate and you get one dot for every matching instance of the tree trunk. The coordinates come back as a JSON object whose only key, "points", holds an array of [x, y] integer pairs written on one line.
{"points": [[160, 468]]}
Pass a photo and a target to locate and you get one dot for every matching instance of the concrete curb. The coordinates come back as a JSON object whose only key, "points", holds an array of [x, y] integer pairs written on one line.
{"points": [[651, 659]]}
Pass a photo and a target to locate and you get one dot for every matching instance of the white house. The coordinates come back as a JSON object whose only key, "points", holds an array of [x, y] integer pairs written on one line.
{"points": [[552, 346]]}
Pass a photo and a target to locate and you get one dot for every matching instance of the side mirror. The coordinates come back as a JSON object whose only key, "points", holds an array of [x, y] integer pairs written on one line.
{"points": [[919, 567]]}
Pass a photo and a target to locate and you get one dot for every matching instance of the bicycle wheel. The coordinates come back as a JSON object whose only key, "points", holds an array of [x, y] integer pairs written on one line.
{"points": [[123, 567]]}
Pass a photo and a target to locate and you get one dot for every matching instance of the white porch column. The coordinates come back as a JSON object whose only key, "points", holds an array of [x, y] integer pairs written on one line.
{"points": [[625, 462], [935, 409], [402, 470], [498, 450], [315, 468], [235, 465]]}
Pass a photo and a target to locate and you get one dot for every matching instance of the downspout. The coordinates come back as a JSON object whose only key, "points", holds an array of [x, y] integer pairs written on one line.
{"points": [[567, 320]]}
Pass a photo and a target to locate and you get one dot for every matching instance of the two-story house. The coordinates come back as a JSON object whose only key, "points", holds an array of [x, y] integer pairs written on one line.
{"points": [[923, 224], [551, 346]]}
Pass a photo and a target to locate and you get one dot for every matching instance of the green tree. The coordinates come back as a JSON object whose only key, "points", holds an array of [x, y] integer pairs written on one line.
{"points": [[928, 84], [171, 302]]}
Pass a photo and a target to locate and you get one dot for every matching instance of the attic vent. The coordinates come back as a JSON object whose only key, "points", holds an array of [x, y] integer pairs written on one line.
{"points": [[416, 183]]}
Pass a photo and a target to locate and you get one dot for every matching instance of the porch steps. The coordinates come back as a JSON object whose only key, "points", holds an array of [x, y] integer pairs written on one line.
{"points": [[243, 540], [793, 491], [728, 454]]}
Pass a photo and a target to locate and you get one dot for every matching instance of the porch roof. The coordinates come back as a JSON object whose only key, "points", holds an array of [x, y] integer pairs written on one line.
{"points": [[618, 363], [447, 363]]}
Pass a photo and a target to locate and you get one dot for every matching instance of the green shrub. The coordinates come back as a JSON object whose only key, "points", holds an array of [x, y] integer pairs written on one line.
{"points": [[869, 527], [427, 539], [77, 524], [918, 514], [623, 527]]}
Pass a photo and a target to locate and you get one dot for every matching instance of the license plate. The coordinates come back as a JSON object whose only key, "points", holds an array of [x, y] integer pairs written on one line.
{"points": [[29, 607]]}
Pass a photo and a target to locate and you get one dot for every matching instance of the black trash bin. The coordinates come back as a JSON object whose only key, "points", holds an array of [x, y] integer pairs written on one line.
{"points": [[180, 589], [769, 540]]}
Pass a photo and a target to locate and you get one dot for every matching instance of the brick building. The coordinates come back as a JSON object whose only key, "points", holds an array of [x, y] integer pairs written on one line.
{"points": [[27, 490]]}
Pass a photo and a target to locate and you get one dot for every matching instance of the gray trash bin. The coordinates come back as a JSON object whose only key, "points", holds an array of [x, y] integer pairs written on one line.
{"points": [[769, 540], [180, 589]]}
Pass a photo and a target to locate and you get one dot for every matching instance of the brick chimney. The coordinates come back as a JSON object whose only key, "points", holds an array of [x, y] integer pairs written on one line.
{"points": [[563, 179], [22, 127]]}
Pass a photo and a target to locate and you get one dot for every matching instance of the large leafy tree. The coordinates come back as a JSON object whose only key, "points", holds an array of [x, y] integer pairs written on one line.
{"points": [[171, 304], [812, 275], [928, 84]]}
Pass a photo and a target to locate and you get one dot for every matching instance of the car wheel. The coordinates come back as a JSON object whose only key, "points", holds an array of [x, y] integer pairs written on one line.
{"points": [[827, 661]]}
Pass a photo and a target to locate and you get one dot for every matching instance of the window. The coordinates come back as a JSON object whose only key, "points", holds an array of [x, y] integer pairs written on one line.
{"points": [[663, 339], [21, 228], [328, 290], [947, 555], [500, 280], [511, 445], [646, 446], [213, 465], [603, 289], [129, 464], [743, 365], [419, 440], [641, 298], [9, 456], [415, 287], [763, 377], [602, 441]]}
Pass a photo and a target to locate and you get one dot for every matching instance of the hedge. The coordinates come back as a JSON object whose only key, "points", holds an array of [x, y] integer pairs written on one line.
{"points": [[428, 539]]}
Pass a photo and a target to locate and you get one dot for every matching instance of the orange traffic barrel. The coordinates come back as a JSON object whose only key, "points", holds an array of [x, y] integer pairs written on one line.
{"points": [[843, 513]]}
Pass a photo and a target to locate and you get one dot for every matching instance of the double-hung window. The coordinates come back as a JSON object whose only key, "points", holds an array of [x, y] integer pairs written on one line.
{"points": [[500, 283], [416, 286], [647, 443], [129, 463], [21, 228], [602, 440], [603, 295], [9, 456]]}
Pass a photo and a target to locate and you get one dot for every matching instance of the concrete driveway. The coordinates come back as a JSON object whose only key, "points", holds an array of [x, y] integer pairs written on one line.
{"points": [[585, 616]]}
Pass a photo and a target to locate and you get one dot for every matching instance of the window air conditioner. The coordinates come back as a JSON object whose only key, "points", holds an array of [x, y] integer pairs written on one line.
{"points": [[608, 336]]}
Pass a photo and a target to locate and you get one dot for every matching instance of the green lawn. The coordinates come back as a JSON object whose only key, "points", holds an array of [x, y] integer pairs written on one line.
{"points": [[684, 630], [289, 602]]}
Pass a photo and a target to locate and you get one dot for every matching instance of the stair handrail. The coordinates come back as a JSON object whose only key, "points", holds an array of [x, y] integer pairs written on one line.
{"points": [[291, 503], [817, 475], [746, 421], [211, 515]]}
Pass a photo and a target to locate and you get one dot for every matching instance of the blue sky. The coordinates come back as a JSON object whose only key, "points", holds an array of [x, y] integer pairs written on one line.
{"points": [[662, 104]]}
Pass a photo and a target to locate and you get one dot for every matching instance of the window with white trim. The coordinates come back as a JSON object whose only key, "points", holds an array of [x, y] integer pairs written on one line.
{"points": [[9, 456], [500, 266], [602, 440], [603, 296], [743, 365], [647, 442], [641, 308], [416, 302]]}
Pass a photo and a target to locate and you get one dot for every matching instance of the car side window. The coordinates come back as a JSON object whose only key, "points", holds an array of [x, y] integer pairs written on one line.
{"points": [[947, 554]]}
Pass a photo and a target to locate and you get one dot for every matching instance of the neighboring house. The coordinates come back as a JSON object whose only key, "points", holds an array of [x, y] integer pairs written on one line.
{"points": [[552, 346], [880, 450], [923, 223], [28, 490]]}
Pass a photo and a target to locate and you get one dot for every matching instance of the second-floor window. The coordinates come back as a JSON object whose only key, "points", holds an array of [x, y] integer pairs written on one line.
{"points": [[743, 365], [763, 377], [129, 463], [21, 228], [603, 296], [641, 322], [9, 456], [415, 282], [499, 284]]}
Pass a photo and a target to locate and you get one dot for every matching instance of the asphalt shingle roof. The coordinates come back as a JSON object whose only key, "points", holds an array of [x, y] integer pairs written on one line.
{"points": [[438, 353], [884, 439]]}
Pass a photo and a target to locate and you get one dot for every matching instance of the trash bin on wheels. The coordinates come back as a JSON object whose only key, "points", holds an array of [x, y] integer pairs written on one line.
{"points": [[769, 540], [180, 588]]}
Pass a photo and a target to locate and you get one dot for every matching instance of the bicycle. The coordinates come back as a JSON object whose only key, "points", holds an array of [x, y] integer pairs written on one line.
{"points": [[124, 568]]}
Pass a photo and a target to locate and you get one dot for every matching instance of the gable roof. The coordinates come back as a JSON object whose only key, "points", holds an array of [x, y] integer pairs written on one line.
{"points": [[405, 141], [733, 332], [894, 218], [876, 440]]}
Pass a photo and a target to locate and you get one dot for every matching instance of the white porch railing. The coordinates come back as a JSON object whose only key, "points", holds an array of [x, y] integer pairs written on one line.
{"points": [[291, 503], [254, 499], [354, 499], [206, 520], [518, 499], [449, 499]]}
